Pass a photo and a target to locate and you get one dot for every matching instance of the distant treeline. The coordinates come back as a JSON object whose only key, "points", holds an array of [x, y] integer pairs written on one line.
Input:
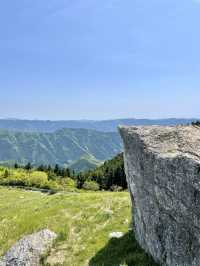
{"points": [[52, 172], [109, 176]]}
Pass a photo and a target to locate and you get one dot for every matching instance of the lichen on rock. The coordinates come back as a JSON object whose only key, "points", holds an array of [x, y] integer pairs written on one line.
{"points": [[28, 250], [163, 173]]}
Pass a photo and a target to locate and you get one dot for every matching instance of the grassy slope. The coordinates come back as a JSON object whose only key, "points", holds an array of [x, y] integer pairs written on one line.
{"points": [[83, 222], [85, 164]]}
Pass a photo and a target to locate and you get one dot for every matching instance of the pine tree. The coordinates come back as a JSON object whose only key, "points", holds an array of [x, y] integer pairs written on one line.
{"points": [[28, 166], [16, 166]]}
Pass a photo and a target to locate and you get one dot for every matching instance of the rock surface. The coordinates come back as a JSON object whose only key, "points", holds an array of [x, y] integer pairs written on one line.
{"points": [[163, 172], [28, 250]]}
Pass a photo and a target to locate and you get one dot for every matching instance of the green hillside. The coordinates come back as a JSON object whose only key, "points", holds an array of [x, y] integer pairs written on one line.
{"points": [[110, 175], [63, 147], [85, 164]]}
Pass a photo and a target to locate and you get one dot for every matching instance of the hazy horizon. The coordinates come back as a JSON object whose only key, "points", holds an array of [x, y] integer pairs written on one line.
{"points": [[96, 120]]}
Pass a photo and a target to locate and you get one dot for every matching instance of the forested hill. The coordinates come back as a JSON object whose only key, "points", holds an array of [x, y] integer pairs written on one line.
{"points": [[109, 176], [105, 125], [63, 147]]}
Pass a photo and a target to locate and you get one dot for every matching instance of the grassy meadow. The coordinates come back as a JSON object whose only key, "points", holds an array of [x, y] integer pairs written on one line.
{"points": [[83, 222]]}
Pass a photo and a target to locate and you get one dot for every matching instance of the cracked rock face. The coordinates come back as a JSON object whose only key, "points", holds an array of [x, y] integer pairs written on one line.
{"points": [[28, 250], [163, 172]]}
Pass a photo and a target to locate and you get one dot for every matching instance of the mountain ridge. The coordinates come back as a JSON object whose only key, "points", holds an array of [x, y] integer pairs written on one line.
{"points": [[99, 125], [63, 147]]}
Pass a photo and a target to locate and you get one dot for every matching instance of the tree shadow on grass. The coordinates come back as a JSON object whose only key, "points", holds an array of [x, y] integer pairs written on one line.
{"points": [[122, 251]]}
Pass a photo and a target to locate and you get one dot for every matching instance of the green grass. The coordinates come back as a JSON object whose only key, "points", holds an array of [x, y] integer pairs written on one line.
{"points": [[83, 222]]}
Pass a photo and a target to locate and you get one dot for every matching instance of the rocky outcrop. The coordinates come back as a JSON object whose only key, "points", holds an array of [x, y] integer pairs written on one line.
{"points": [[163, 172], [28, 250]]}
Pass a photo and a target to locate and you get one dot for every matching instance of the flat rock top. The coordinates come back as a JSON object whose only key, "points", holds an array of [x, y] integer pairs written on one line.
{"points": [[166, 141]]}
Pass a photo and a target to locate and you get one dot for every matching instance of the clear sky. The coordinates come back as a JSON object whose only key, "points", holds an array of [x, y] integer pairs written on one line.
{"points": [[99, 59]]}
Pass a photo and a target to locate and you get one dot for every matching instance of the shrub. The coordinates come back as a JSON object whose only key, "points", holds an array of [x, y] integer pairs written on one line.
{"points": [[15, 178], [70, 182], [31, 178], [196, 123], [52, 176], [116, 188], [91, 185], [37, 179], [19, 177], [67, 183], [52, 185]]}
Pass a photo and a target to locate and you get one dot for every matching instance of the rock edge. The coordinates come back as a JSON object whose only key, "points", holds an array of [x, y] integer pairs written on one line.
{"points": [[163, 172]]}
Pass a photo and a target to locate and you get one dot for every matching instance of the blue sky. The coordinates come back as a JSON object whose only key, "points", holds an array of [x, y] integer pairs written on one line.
{"points": [[91, 59]]}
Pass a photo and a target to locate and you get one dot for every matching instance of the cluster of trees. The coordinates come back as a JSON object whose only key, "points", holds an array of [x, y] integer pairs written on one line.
{"points": [[109, 176], [57, 171], [27, 178], [52, 172], [196, 123]]}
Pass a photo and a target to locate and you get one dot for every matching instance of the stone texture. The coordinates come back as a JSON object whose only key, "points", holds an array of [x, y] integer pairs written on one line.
{"points": [[28, 250], [163, 172]]}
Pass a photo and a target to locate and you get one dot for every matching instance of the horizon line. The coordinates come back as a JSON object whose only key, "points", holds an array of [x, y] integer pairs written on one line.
{"points": [[96, 120]]}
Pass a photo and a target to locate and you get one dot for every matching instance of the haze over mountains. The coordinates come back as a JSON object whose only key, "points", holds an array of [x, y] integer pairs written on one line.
{"points": [[64, 147], [104, 125], [81, 145]]}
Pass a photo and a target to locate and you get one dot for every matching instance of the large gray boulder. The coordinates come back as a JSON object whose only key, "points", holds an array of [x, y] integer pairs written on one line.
{"points": [[28, 250], [163, 172]]}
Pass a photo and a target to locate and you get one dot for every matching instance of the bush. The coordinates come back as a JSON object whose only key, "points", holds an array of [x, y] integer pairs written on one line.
{"points": [[15, 178], [37, 179], [52, 176], [32, 178], [116, 188], [91, 185], [196, 123], [52, 185], [20, 177], [68, 182]]}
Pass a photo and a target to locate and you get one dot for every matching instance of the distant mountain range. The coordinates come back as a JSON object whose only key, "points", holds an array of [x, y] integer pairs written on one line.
{"points": [[81, 145], [79, 148], [104, 125]]}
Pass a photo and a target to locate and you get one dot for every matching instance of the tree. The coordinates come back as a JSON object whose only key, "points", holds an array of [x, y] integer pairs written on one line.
{"points": [[16, 166], [80, 180], [196, 123], [6, 174], [28, 166], [67, 172], [56, 169], [41, 168], [49, 168], [110, 174]]}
